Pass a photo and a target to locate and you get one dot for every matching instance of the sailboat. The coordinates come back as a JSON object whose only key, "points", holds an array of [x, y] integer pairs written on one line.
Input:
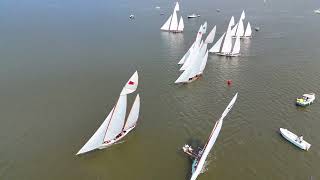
{"points": [[114, 127], [238, 29], [227, 49], [200, 157], [196, 64], [172, 23]]}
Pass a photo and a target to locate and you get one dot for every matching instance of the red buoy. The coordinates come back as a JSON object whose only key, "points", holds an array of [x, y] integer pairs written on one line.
{"points": [[229, 82]]}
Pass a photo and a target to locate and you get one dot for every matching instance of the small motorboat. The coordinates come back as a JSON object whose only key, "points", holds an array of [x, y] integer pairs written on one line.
{"points": [[257, 28], [194, 15], [306, 99], [294, 139], [131, 16], [317, 11]]}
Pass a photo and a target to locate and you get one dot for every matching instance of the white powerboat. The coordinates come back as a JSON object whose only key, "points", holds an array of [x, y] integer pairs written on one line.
{"points": [[194, 15], [317, 11], [306, 99], [294, 139]]}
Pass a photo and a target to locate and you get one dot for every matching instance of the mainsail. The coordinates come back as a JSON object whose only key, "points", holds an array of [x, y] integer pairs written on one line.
{"points": [[216, 47], [227, 44], [117, 119], [212, 140], [240, 29], [236, 47], [211, 35], [174, 22]]}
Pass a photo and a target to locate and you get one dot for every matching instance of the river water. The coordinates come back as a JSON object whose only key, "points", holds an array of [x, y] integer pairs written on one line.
{"points": [[64, 63]]}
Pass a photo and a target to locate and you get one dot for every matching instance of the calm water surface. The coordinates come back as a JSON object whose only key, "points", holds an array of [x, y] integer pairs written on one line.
{"points": [[63, 64]]}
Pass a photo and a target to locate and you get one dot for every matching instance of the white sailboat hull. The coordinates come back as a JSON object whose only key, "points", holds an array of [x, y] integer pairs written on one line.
{"points": [[291, 137], [106, 145], [227, 54]]}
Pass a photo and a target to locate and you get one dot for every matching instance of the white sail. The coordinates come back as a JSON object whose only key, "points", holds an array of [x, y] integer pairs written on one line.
{"points": [[211, 35], [196, 63], [217, 46], [212, 139], [174, 22], [177, 7], [199, 34], [191, 57], [131, 85], [203, 63], [166, 25], [234, 30], [204, 27], [97, 138], [117, 119], [231, 23], [236, 47], [133, 115], [243, 15], [240, 30], [227, 44], [181, 25], [248, 31], [184, 77], [183, 59]]}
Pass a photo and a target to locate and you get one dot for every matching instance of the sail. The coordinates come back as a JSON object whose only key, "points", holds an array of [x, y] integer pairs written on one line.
{"points": [[131, 85], [133, 115], [117, 119], [184, 77], [183, 59], [240, 30], [204, 27], [196, 63], [231, 23], [177, 7], [199, 34], [216, 47], [227, 44], [211, 35], [166, 25], [212, 139], [234, 30], [174, 22], [203, 63], [191, 57], [236, 47], [248, 31], [181, 24], [97, 138], [243, 15]]}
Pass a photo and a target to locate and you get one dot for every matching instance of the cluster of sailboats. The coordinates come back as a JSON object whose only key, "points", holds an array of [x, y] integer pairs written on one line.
{"points": [[225, 46], [195, 60]]}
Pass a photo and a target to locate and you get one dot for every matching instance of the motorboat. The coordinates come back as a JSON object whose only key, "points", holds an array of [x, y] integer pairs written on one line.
{"points": [[294, 139], [306, 99], [194, 15]]}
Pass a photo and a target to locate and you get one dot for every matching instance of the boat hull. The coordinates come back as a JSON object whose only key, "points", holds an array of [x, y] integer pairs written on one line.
{"points": [[106, 145], [227, 54], [291, 137]]}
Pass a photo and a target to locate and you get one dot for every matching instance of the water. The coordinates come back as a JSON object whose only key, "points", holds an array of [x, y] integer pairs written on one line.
{"points": [[63, 64]]}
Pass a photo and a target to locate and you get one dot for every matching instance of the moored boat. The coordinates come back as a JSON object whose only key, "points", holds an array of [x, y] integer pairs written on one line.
{"points": [[306, 99], [294, 139], [194, 15]]}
